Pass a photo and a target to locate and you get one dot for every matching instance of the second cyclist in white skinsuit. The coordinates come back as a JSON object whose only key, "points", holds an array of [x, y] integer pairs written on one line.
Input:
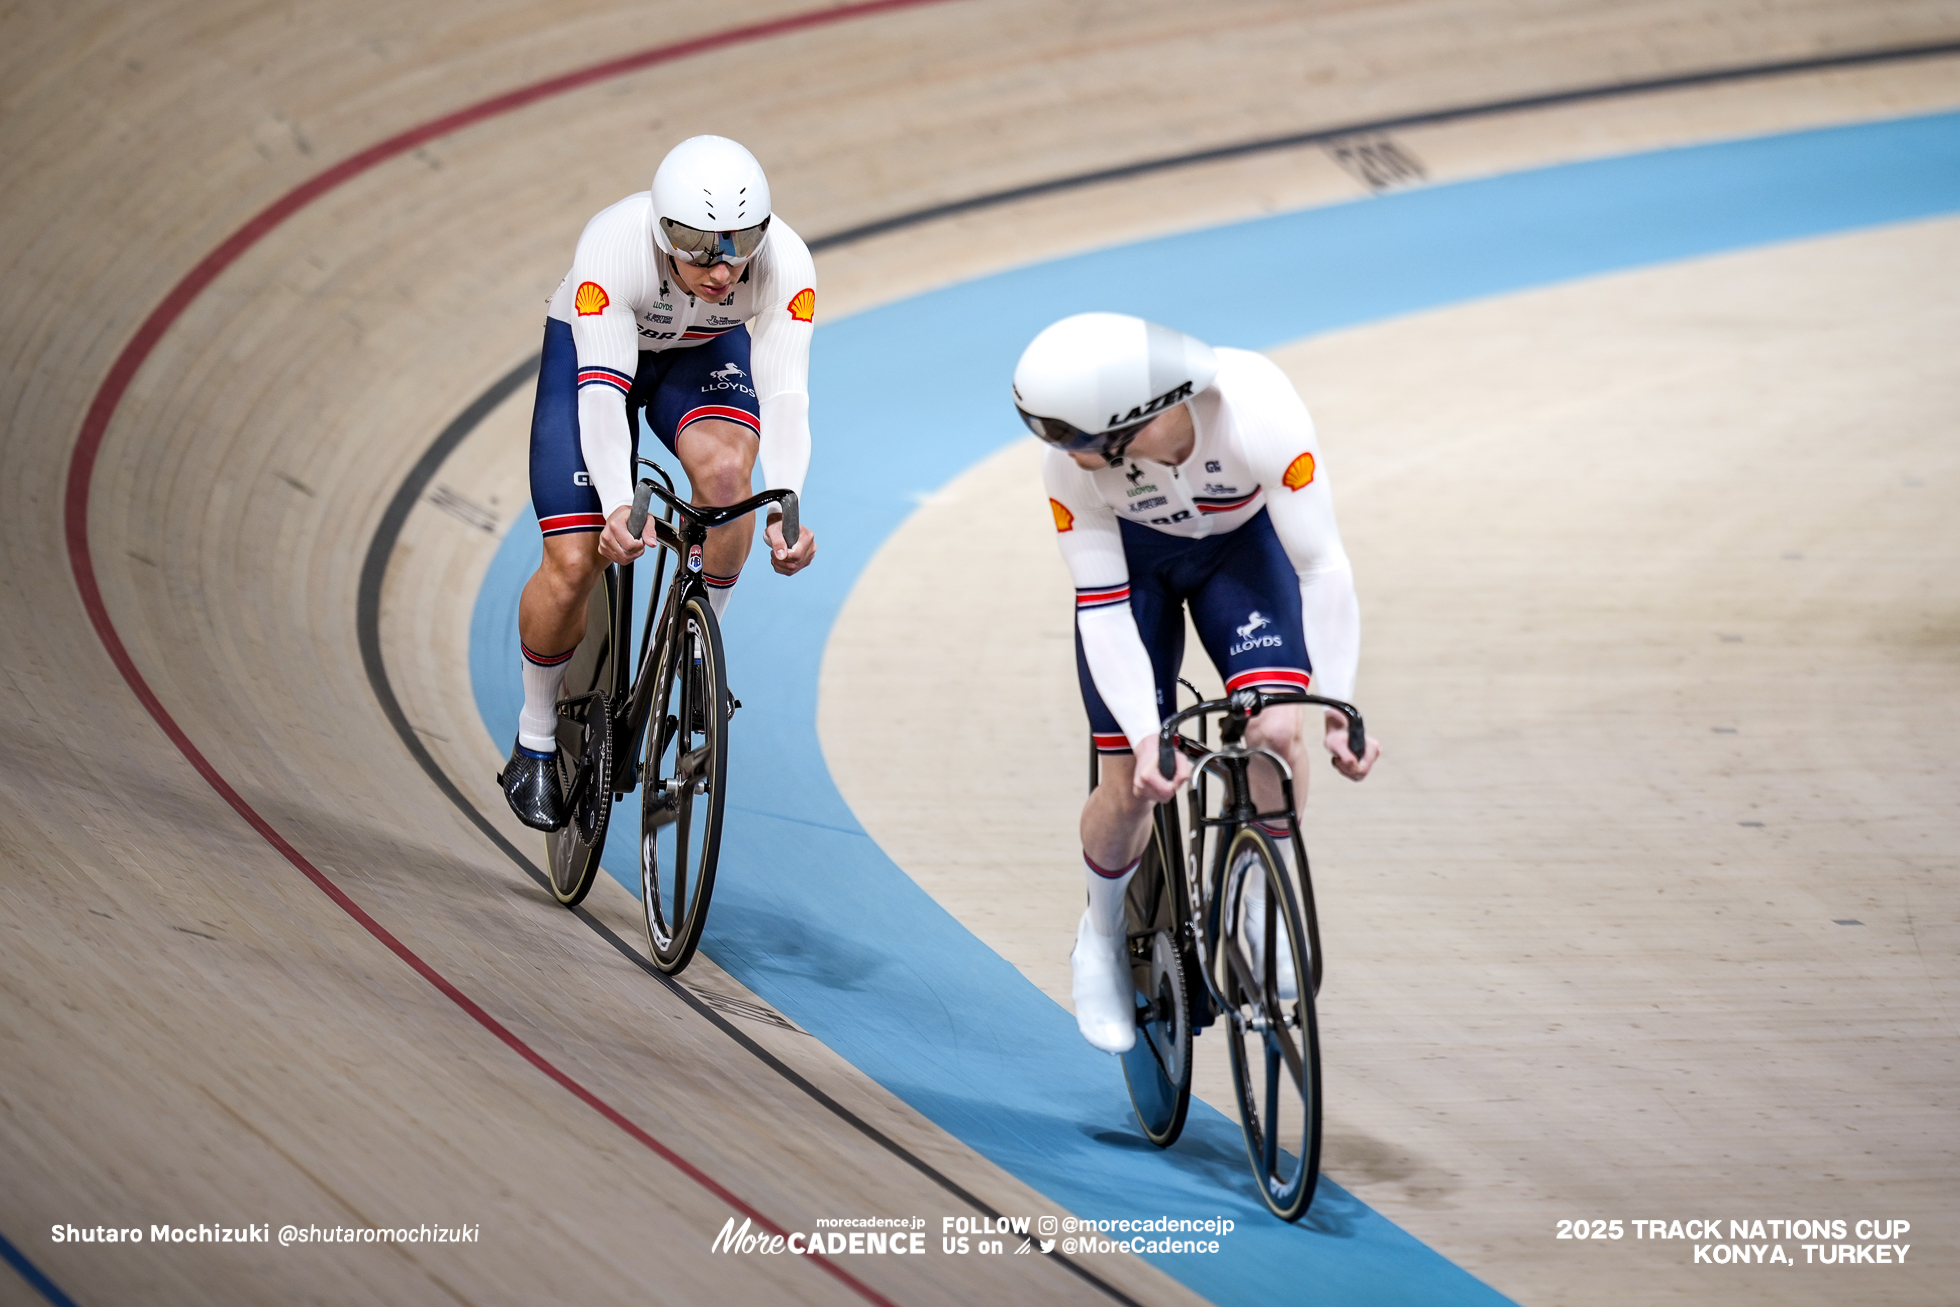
{"points": [[1180, 477]]}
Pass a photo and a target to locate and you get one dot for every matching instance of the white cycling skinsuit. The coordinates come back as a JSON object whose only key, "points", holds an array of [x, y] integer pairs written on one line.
{"points": [[1255, 450]]}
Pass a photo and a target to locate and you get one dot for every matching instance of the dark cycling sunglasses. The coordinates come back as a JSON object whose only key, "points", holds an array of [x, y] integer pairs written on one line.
{"points": [[1072, 439], [704, 249]]}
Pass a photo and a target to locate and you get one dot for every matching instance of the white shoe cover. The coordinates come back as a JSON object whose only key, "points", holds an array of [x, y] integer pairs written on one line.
{"points": [[1105, 995]]}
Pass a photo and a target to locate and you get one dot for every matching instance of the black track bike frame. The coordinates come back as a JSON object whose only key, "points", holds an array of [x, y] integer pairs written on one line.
{"points": [[685, 538], [1197, 893], [1237, 810]]}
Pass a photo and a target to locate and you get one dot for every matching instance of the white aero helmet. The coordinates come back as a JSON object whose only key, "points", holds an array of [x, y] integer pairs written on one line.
{"points": [[1090, 382], [710, 202]]}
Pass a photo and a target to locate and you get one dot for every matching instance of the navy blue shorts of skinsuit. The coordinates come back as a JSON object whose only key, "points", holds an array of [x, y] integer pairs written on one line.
{"points": [[1244, 598], [675, 387]]}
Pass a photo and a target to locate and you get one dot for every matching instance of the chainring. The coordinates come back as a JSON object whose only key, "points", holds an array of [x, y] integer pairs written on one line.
{"points": [[594, 808]]}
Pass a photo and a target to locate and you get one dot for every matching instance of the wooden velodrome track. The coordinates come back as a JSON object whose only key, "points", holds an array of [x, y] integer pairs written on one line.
{"points": [[194, 1032]]}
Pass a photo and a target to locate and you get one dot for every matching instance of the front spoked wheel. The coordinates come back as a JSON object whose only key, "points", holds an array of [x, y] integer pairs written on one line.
{"points": [[682, 796], [585, 751], [1158, 1066], [1275, 1045]]}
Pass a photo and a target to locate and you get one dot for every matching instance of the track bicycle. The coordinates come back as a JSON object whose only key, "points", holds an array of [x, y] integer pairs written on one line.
{"points": [[1215, 929], [676, 704]]}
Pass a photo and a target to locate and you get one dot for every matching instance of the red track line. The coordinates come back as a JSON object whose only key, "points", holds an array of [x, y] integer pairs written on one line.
{"points": [[95, 425]]}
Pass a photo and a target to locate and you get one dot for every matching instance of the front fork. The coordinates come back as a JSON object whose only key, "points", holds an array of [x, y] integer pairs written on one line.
{"points": [[632, 716], [1239, 812]]}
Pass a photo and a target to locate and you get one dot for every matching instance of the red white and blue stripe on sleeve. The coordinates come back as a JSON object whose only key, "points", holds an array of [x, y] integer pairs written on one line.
{"points": [[1101, 596], [596, 375]]}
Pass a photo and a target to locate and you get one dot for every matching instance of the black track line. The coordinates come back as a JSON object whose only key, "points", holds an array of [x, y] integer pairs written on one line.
{"points": [[1323, 135], [374, 570]]}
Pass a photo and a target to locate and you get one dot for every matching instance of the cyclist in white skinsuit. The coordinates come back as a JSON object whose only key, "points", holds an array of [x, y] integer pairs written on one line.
{"points": [[693, 302], [1180, 476]]}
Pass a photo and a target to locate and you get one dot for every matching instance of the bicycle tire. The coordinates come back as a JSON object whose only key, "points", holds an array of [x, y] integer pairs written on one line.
{"points": [[681, 800], [1157, 1069], [572, 852], [1274, 1040]]}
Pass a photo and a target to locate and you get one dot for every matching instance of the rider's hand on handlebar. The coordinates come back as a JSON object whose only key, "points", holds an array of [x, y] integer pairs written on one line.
{"points": [[616, 543], [1344, 760], [786, 560], [1147, 782]]}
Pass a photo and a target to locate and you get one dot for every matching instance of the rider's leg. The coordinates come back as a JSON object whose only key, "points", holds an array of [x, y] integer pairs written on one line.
{"points": [[551, 615], [1116, 826], [550, 623], [1099, 965], [703, 407], [1248, 615], [1281, 728], [1116, 821], [719, 458], [1115, 830]]}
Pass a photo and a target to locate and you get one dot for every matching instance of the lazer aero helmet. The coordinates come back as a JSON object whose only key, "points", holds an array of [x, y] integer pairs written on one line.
{"points": [[710, 202], [1089, 383]]}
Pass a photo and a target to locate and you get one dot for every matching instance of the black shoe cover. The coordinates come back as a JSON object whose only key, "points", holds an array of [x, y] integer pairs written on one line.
{"points": [[531, 785]]}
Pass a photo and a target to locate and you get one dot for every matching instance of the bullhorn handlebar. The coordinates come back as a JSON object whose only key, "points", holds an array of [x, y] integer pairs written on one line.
{"points": [[636, 520], [1247, 704]]}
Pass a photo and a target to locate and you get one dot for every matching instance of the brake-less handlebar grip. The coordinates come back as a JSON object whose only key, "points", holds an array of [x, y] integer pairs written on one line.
{"points": [[791, 528], [636, 521], [1166, 758], [1357, 738]]}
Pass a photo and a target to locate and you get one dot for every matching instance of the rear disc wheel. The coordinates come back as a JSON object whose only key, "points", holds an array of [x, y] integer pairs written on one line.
{"points": [[1158, 1066], [584, 744]]}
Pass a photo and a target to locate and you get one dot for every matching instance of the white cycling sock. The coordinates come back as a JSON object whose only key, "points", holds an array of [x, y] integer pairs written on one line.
{"points": [[537, 722], [1106, 896], [719, 590]]}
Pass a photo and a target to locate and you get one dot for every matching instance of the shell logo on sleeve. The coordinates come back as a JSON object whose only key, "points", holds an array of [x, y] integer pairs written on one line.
{"points": [[803, 305], [590, 298], [1064, 520], [1299, 473]]}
